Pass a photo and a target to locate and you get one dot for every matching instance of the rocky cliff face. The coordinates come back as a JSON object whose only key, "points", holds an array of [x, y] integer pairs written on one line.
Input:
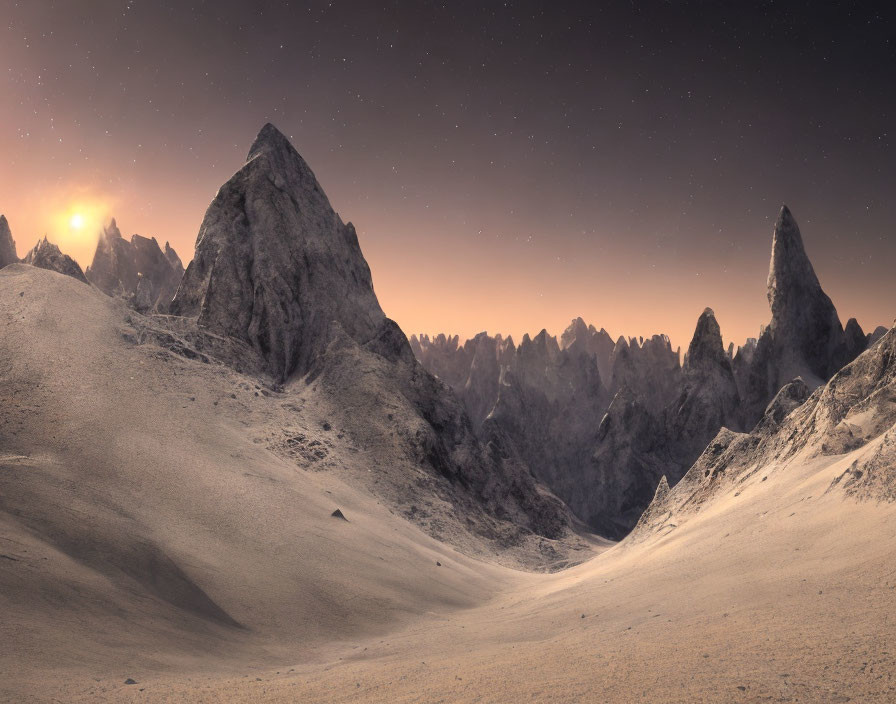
{"points": [[7, 244], [480, 389], [444, 357], [46, 255], [137, 269], [174, 261], [113, 269], [547, 401], [275, 265], [856, 339], [551, 410], [657, 429], [473, 370], [805, 330], [649, 367], [709, 398], [597, 343], [161, 277], [276, 269]]}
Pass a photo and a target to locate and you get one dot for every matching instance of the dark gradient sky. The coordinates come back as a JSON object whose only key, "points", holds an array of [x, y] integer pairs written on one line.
{"points": [[508, 165]]}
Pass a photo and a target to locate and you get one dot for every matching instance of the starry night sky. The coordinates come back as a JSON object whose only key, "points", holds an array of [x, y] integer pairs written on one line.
{"points": [[508, 165]]}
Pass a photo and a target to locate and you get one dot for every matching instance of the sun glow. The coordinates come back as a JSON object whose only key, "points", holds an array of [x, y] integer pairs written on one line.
{"points": [[76, 223]]}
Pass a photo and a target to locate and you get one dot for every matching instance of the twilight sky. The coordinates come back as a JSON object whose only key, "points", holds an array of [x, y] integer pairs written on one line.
{"points": [[508, 165]]}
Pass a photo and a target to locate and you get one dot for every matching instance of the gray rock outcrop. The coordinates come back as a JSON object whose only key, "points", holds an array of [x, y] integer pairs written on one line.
{"points": [[588, 339], [805, 330], [113, 269], [174, 261], [790, 396], [548, 400], [46, 255], [7, 244]]}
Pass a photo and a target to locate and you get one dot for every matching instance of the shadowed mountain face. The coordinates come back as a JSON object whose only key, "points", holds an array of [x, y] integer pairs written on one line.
{"points": [[275, 266], [137, 270], [600, 446], [646, 435], [805, 329], [7, 244]]}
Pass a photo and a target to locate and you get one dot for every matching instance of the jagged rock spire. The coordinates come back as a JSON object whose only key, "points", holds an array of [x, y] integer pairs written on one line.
{"points": [[275, 266], [174, 260], [805, 328], [791, 277], [137, 269], [804, 338], [706, 346]]}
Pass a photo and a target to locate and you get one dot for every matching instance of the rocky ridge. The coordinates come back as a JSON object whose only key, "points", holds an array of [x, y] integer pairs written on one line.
{"points": [[46, 255], [642, 415], [853, 412]]}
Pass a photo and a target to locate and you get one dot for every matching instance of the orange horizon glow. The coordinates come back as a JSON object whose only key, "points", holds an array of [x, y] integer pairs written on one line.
{"points": [[495, 290]]}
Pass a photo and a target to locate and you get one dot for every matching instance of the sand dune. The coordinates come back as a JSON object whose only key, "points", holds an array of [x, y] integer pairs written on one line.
{"points": [[780, 594]]}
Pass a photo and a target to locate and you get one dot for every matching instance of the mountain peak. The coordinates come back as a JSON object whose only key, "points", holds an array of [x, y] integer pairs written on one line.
{"points": [[706, 346], [791, 275], [269, 138], [111, 232], [805, 325], [7, 244], [275, 266], [804, 337]]}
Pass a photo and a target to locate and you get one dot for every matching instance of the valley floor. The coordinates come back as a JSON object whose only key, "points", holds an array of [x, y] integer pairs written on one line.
{"points": [[783, 593]]}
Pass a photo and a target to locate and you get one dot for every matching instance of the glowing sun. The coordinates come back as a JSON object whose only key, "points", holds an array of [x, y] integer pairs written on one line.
{"points": [[77, 221]]}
